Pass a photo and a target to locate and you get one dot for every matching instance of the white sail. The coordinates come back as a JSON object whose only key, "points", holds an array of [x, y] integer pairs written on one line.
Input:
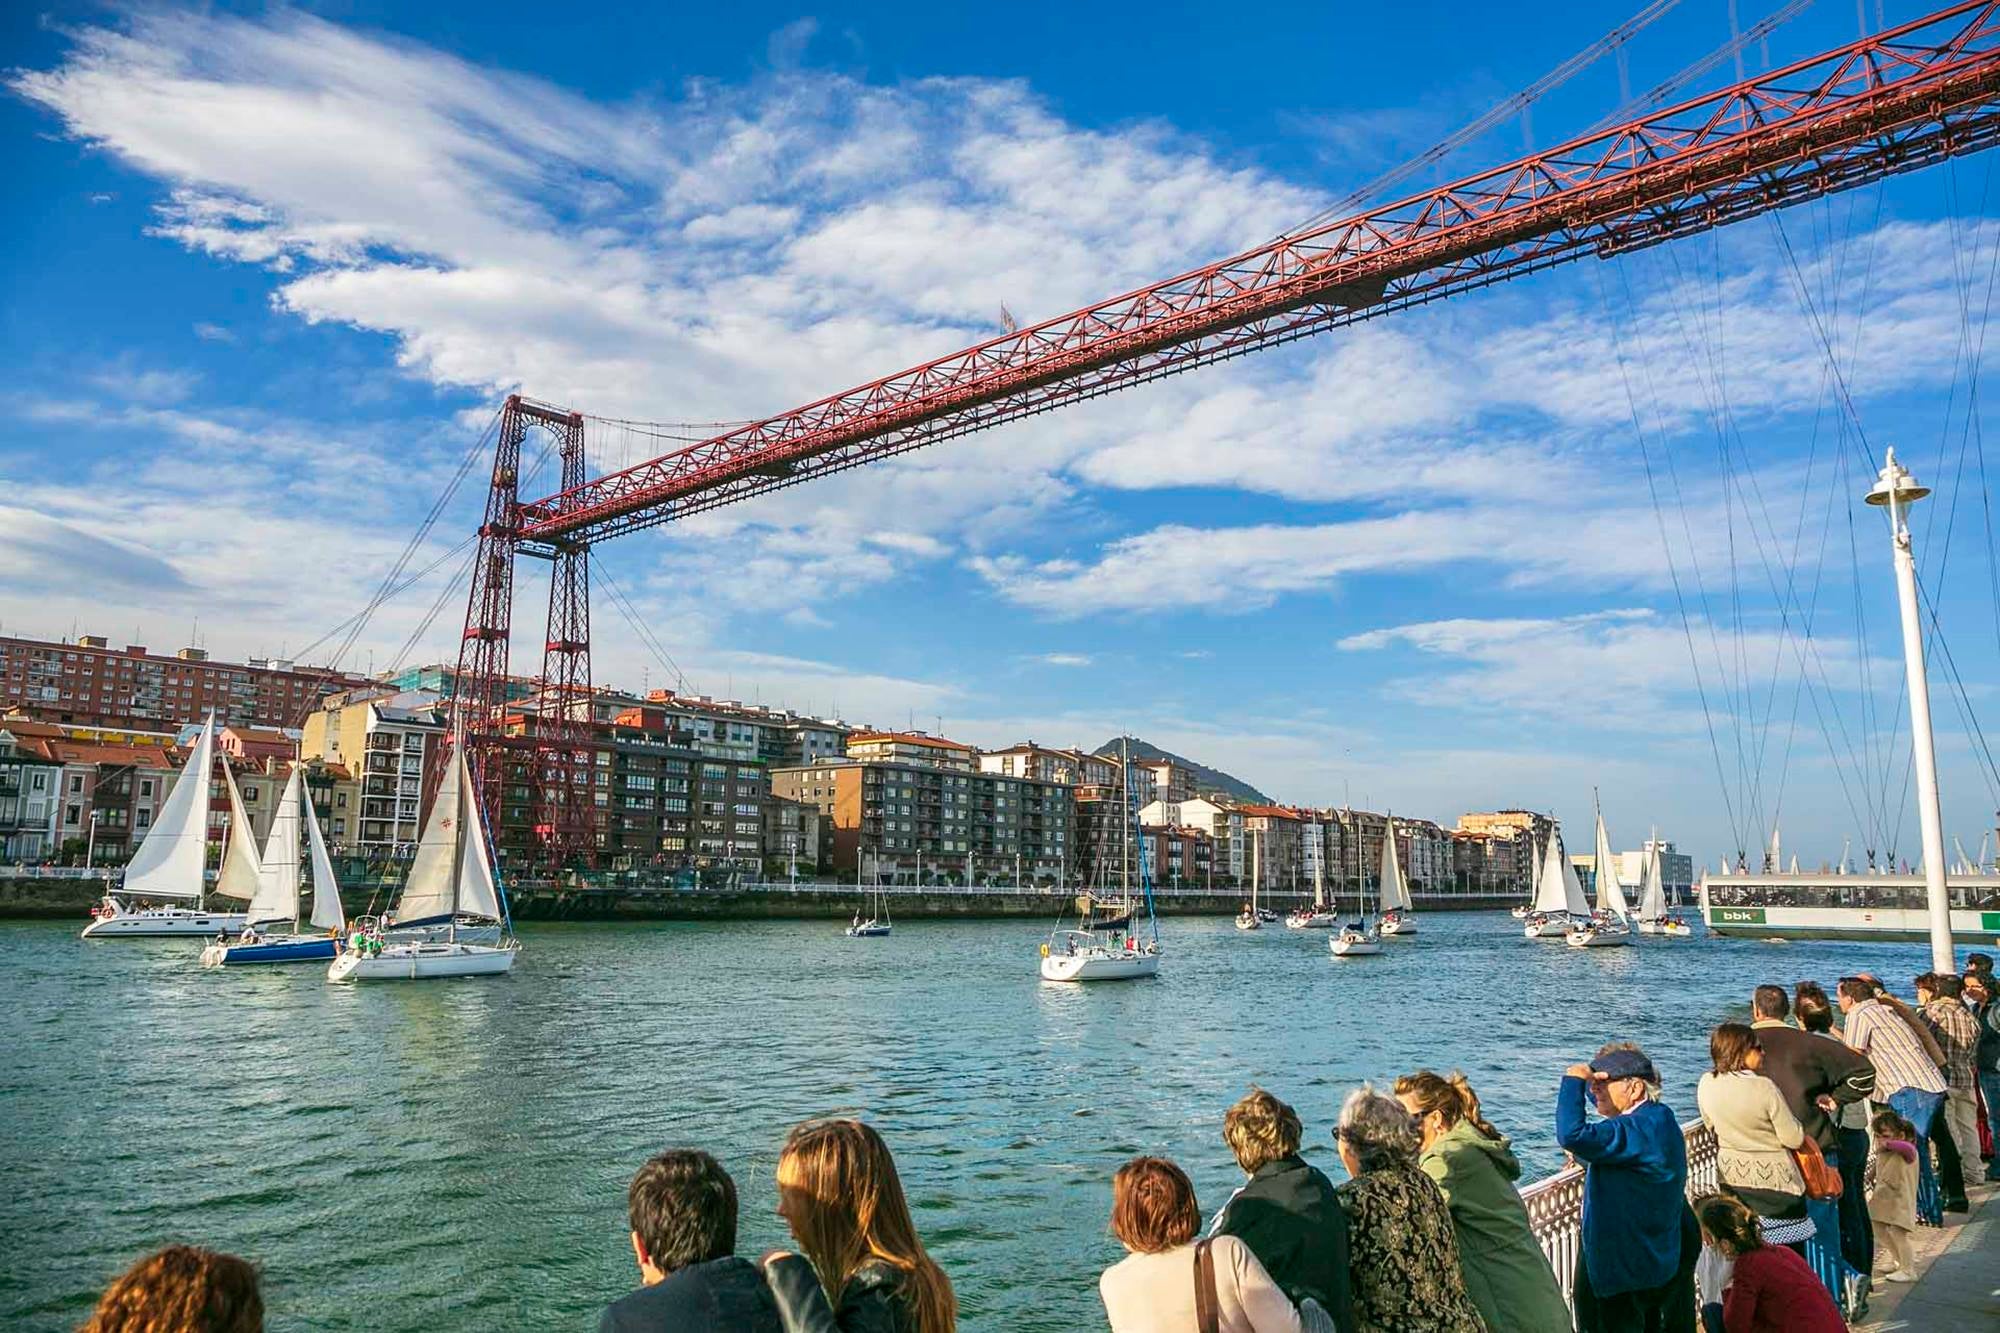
{"points": [[277, 896], [1395, 895], [1610, 893], [477, 894], [1573, 897], [326, 913], [239, 876], [171, 859], [1652, 891], [427, 893], [1551, 895]]}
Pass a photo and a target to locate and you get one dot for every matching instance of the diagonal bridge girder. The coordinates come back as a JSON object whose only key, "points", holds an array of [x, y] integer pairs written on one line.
{"points": [[1902, 99]]}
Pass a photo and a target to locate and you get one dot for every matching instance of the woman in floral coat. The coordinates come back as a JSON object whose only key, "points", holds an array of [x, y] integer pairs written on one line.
{"points": [[1401, 1250]]}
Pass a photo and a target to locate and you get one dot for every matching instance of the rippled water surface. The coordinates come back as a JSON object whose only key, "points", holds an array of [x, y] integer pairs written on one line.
{"points": [[454, 1154]]}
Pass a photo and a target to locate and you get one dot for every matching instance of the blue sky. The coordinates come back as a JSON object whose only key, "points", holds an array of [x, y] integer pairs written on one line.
{"points": [[276, 267]]}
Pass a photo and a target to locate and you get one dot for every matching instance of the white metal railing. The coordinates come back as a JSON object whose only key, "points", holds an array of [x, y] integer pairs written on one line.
{"points": [[56, 872], [1555, 1203]]}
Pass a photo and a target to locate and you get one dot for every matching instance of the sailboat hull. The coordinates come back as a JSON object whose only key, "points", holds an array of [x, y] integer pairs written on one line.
{"points": [[1094, 965], [1353, 946], [1405, 926], [868, 930], [1679, 930], [1554, 928], [156, 921], [422, 962], [1593, 938], [272, 949], [1248, 923], [1311, 921]]}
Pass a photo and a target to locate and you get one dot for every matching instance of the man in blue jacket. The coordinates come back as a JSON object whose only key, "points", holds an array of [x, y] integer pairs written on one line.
{"points": [[1640, 1241]]}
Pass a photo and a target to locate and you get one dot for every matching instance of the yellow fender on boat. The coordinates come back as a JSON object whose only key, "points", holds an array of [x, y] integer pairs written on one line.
{"points": [[1045, 950]]}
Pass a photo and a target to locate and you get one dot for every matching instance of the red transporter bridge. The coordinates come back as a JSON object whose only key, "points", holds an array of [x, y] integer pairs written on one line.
{"points": [[1906, 98]]}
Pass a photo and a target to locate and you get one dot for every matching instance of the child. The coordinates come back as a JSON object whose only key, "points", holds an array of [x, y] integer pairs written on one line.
{"points": [[1892, 1203], [1771, 1290]]}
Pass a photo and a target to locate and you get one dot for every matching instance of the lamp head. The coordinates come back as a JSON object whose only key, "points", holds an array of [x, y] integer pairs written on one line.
{"points": [[1896, 483]]}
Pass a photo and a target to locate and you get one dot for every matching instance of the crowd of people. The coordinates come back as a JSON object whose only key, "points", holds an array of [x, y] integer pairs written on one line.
{"points": [[1832, 1146]]}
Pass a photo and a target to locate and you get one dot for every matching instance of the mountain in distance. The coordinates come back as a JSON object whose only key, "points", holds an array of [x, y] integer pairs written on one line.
{"points": [[1206, 779]]}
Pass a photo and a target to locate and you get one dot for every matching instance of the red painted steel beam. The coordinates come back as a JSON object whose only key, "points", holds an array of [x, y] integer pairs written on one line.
{"points": [[1902, 99]]}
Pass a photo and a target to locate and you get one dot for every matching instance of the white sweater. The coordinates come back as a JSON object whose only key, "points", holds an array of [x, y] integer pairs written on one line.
{"points": [[1154, 1293], [1754, 1131]]}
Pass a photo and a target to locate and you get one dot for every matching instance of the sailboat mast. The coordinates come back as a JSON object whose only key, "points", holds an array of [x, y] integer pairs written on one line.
{"points": [[458, 839], [1125, 831]]}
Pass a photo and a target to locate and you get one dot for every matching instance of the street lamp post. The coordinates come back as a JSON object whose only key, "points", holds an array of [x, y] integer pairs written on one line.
{"points": [[1896, 490], [90, 843]]}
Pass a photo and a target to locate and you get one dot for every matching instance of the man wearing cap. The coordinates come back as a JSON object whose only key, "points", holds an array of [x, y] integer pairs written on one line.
{"points": [[1639, 1239]]}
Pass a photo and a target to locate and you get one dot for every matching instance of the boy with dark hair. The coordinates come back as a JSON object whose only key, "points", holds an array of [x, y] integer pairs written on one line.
{"points": [[682, 1206]]}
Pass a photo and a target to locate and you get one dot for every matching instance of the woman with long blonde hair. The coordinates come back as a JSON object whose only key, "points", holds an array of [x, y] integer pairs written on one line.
{"points": [[861, 1265]]}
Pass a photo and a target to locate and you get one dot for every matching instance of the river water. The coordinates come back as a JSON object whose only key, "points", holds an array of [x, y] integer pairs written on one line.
{"points": [[454, 1154]]}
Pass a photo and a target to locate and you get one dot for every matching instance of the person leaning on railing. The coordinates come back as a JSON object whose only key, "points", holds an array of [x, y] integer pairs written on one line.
{"points": [[1506, 1274], [1402, 1250], [1639, 1240]]}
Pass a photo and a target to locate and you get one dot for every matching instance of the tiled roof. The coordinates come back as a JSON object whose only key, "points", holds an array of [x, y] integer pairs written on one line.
{"points": [[907, 738]]}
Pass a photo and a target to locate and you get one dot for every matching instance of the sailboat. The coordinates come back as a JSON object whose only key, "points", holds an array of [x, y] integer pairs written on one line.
{"points": [[1558, 896], [1398, 911], [1358, 939], [1654, 918], [171, 862], [1110, 950], [877, 922], [451, 874], [1607, 926], [1250, 918], [1319, 916], [277, 900]]}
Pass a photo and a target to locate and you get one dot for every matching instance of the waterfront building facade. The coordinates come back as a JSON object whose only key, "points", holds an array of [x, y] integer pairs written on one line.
{"points": [[29, 787], [91, 683], [1030, 760], [731, 729], [385, 737], [927, 823]]}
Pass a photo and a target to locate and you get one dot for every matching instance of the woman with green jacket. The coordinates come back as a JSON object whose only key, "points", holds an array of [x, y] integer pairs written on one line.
{"points": [[1506, 1273]]}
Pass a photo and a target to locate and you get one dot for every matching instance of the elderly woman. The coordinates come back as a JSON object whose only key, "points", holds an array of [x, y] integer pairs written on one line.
{"points": [[1402, 1254], [1286, 1211], [1755, 1133], [1166, 1280], [1640, 1241], [1506, 1274]]}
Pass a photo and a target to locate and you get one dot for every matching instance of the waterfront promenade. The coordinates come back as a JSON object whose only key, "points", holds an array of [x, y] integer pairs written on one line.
{"points": [[1958, 1284]]}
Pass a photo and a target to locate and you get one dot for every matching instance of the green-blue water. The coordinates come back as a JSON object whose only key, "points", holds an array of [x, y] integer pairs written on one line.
{"points": [[454, 1154]]}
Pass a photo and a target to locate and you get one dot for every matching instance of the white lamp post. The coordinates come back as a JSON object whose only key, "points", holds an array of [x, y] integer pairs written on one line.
{"points": [[90, 843], [1896, 490]]}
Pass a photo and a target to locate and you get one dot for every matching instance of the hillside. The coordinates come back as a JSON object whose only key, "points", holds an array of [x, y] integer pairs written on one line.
{"points": [[1206, 779]]}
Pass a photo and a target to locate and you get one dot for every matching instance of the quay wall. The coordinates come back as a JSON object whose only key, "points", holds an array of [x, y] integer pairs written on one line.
{"points": [[71, 895]]}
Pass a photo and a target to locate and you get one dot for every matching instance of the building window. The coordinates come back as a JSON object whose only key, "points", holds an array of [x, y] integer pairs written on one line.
{"points": [[72, 814], [76, 782]]}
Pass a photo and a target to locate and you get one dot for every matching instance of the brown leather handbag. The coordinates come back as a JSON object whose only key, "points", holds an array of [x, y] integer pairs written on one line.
{"points": [[1207, 1305], [1822, 1181]]}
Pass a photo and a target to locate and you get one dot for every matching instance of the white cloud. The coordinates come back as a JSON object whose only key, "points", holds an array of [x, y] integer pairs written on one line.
{"points": [[1064, 659]]}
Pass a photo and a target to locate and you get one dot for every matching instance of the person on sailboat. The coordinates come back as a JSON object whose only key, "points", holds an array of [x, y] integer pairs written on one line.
{"points": [[1286, 1211], [862, 1264], [682, 1207]]}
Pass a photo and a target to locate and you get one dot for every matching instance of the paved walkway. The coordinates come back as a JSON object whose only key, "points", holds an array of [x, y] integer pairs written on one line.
{"points": [[1958, 1282]]}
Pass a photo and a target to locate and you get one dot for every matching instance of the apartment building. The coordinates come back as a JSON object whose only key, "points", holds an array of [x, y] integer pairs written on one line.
{"points": [[1274, 834], [656, 801], [1169, 781], [912, 747], [1029, 760], [29, 783], [117, 789], [384, 738], [796, 835], [1224, 824], [729, 728], [1424, 849], [911, 823], [91, 683], [1180, 857]]}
